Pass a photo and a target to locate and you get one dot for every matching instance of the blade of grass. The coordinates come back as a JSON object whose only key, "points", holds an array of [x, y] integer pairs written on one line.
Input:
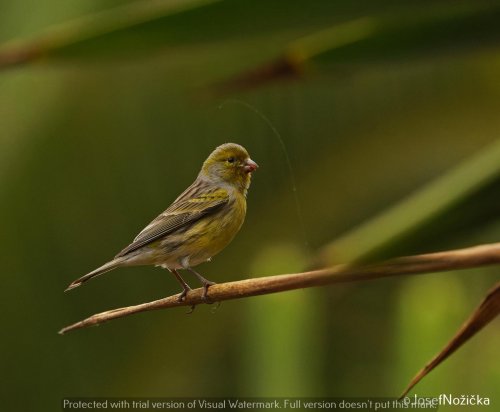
{"points": [[435, 31], [415, 211], [487, 311], [71, 35], [152, 24]]}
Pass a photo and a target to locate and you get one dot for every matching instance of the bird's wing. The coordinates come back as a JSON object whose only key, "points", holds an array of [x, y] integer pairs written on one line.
{"points": [[185, 210]]}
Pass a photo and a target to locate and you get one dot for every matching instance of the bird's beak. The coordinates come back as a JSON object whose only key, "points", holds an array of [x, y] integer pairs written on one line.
{"points": [[250, 166]]}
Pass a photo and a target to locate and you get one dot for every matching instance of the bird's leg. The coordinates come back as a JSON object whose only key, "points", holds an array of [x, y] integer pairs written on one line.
{"points": [[184, 285], [205, 282]]}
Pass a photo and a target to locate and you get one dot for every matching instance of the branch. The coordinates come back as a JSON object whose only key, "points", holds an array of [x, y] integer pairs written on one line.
{"points": [[409, 265]]}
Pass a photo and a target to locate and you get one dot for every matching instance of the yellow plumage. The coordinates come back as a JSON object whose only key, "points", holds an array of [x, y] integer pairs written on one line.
{"points": [[198, 224]]}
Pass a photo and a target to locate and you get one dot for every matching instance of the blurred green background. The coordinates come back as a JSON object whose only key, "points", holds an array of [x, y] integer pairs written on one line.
{"points": [[389, 111]]}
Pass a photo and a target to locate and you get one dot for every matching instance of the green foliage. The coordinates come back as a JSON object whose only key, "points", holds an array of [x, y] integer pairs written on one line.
{"points": [[101, 130]]}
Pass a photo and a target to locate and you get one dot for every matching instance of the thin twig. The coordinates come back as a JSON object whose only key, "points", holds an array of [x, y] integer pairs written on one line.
{"points": [[409, 265]]}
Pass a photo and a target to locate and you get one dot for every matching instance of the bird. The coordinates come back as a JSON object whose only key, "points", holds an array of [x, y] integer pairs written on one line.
{"points": [[199, 224]]}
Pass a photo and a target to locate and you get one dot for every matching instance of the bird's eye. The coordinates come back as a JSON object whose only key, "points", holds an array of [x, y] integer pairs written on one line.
{"points": [[231, 160]]}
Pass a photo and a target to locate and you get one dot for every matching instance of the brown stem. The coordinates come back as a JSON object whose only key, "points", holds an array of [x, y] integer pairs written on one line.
{"points": [[409, 265]]}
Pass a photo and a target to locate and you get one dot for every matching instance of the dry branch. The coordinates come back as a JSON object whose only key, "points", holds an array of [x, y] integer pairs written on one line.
{"points": [[484, 314], [410, 265]]}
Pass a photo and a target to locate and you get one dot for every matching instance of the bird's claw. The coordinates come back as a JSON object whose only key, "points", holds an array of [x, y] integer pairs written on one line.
{"points": [[204, 296], [183, 295]]}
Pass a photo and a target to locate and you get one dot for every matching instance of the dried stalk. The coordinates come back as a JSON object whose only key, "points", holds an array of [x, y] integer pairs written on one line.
{"points": [[409, 265]]}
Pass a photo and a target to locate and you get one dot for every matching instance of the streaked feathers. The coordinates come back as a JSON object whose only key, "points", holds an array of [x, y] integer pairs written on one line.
{"points": [[198, 224], [180, 213]]}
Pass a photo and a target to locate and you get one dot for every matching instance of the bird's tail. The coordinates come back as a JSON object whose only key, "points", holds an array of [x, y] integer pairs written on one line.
{"points": [[99, 271]]}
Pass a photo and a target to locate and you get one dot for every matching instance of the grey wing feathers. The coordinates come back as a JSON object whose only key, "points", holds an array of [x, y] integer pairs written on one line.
{"points": [[183, 211]]}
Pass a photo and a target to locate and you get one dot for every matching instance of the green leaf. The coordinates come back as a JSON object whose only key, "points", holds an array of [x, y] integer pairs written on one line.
{"points": [[417, 210], [487, 311], [98, 32], [427, 33], [374, 39], [153, 25]]}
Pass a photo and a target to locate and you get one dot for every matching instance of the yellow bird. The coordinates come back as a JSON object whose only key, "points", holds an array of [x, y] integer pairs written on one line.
{"points": [[197, 225]]}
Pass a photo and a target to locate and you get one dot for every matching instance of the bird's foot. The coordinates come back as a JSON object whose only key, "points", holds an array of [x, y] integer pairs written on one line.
{"points": [[183, 294], [191, 310], [204, 296], [205, 282]]}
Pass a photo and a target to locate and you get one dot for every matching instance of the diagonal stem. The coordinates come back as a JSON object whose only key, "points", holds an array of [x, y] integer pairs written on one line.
{"points": [[471, 257]]}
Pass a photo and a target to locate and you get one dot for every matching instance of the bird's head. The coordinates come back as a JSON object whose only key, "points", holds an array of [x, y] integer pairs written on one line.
{"points": [[231, 164]]}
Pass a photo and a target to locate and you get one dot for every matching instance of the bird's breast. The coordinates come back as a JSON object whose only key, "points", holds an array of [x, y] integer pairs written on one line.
{"points": [[208, 236], [220, 229]]}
